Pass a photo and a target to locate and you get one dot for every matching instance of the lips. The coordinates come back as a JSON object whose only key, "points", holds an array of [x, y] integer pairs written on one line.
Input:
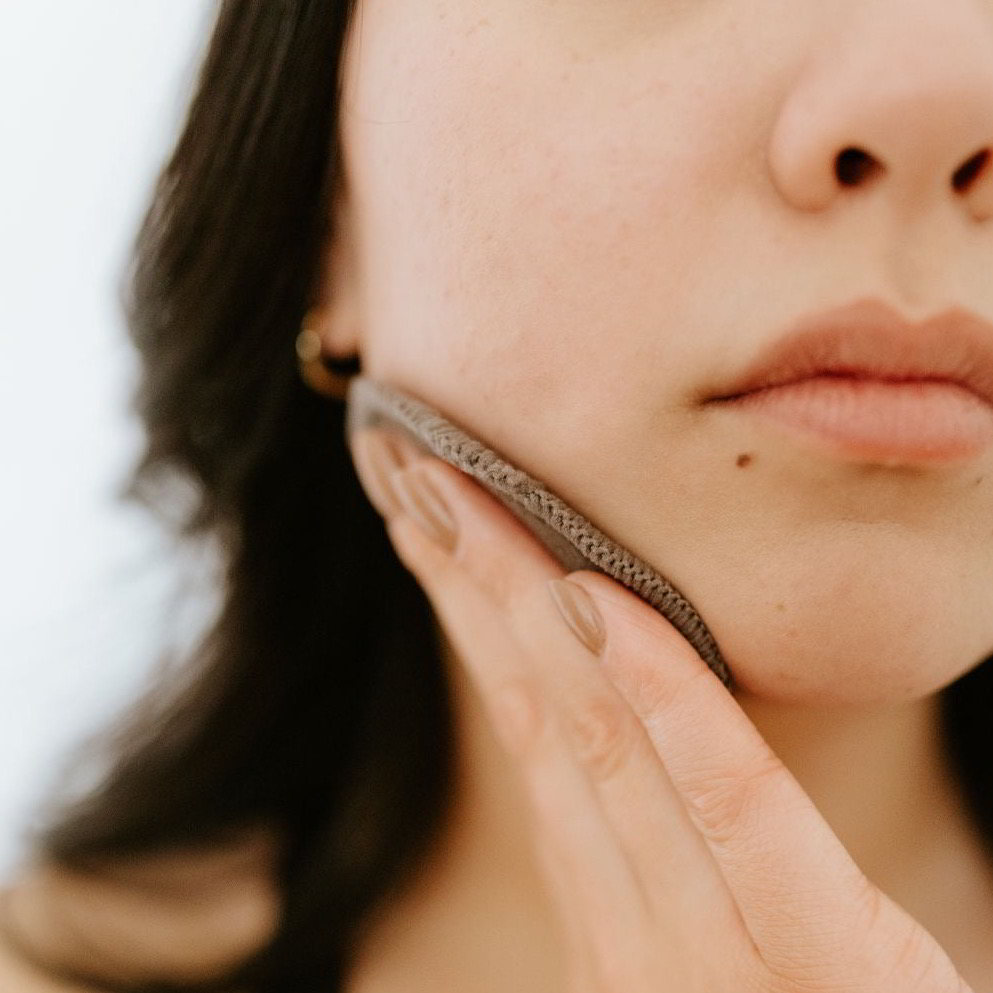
{"points": [[869, 340], [872, 386]]}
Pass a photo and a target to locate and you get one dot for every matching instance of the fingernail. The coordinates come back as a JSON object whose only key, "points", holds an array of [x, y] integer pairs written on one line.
{"points": [[406, 449], [375, 462], [580, 613], [423, 502]]}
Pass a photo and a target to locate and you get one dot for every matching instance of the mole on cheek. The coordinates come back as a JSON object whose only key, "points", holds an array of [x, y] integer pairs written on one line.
{"points": [[744, 460]]}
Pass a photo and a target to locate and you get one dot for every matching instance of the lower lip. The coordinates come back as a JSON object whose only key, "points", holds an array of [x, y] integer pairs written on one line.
{"points": [[881, 420]]}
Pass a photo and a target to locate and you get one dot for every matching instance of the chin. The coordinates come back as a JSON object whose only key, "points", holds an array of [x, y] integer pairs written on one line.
{"points": [[840, 675], [866, 638]]}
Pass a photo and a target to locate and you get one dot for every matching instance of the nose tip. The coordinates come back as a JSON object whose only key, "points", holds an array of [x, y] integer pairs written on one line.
{"points": [[905, 112], [918, 167]]}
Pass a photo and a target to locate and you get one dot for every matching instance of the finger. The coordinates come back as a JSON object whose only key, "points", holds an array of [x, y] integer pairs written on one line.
{"points": [[510, 696], [783, 863], [580, 974], [602, 901], [589, 874], [479, 633], [724, 794], [649, 819]]}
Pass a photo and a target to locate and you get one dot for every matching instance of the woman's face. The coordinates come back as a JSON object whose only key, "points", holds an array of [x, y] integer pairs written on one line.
{"points": [[569, 222]]}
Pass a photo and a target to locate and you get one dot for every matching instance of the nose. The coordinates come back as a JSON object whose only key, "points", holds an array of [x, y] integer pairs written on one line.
{"points": [[898, 99]]}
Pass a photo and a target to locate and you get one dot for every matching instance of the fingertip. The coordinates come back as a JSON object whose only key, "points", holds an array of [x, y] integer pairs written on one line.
{"points": [[613, 596], [628, 615], [597, 584]]}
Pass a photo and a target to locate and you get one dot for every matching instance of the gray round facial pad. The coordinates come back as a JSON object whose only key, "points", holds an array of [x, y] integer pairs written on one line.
{"points": [[574, 541]]}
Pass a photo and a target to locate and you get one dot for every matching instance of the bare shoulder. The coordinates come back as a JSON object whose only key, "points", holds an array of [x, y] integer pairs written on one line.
{"points": [[17, 974], [183, 916]]}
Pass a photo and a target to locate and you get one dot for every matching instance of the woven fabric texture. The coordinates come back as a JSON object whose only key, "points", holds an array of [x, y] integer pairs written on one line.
{"points": [[575, 542]]}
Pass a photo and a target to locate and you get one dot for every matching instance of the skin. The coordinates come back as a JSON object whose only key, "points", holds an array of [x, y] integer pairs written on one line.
{"points": [[679, 852], [566, 225]]}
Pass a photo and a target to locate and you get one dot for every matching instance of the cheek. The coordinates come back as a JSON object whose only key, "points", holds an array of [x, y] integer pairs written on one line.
{"points": [[518, 230], [550, 205], [546, 250]]}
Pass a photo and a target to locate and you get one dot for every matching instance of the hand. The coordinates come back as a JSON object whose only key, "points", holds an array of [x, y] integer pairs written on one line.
{"points": [[680, 852]]}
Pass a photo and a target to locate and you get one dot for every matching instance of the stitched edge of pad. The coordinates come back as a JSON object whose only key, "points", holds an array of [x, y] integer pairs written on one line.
{"points": [[368, 400]]}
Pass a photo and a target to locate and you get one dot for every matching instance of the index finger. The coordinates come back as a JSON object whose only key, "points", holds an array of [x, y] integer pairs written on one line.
{"points": [[781, 860], [506, 564]]}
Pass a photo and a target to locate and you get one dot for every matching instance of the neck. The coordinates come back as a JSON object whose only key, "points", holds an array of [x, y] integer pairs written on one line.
{"points": [[868, 771], [880, 777]]}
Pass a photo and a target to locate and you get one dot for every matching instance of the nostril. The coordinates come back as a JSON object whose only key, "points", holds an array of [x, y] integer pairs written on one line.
{"points": [[853, 165], [966, 173]]}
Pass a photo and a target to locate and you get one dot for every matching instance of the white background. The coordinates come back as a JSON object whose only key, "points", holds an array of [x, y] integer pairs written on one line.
{"points": [[92, 93]]}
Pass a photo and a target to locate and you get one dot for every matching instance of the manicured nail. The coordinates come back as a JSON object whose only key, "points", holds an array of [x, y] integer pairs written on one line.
{"points": [[423, 502], [375, 463], [580, 613], [407, 450]]}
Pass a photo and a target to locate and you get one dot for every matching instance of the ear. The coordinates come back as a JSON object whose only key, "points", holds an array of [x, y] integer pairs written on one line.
{"points": [[336, 314]]}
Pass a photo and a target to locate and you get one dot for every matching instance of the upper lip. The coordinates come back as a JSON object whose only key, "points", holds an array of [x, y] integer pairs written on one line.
{"points": [[868, 339]]}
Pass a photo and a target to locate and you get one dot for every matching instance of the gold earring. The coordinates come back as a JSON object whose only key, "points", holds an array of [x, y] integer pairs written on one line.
{"points": [[313, 368]]}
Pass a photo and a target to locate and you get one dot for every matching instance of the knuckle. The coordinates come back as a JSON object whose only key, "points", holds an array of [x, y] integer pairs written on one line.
{"points": [[491, 573], [614, 976], [626, 962], [517, 713], [435, 572], [603, 734], [724, 801], [910, 959], [869, 908]]}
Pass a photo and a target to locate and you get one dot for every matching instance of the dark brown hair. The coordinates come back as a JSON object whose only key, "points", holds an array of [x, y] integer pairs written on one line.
{"points": [[316, 704]]}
